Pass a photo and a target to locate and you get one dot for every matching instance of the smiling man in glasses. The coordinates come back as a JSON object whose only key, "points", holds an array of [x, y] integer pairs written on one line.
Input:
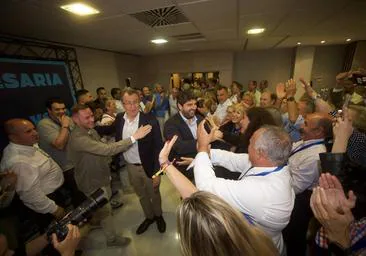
{"points": [[141, 159]]}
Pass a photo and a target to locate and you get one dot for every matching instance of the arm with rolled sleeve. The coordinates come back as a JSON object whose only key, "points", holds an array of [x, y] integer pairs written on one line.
{"points": [[231, 161], [29, 189], [238, 193], [84, 144]]}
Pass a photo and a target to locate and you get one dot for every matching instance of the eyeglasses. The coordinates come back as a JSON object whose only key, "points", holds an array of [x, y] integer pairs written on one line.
{"points": [[134, 103]]}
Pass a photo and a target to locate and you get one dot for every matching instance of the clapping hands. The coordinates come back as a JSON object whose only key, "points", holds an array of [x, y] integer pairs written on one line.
{"points": [[332, 208]]}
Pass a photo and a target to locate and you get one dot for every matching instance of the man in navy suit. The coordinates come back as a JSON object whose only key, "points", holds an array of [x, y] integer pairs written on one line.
{"points": [[141, 159], [184, 125]]}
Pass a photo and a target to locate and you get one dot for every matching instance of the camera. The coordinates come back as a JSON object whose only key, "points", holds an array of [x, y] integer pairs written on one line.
{"points": [[207, 126], [95, 201], [358, 79]]}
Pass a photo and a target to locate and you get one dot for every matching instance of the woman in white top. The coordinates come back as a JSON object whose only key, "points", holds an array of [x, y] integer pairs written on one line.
{"points": [[109, 112]]}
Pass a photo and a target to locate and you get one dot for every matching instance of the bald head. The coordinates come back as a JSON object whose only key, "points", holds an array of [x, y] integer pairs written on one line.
{"points": [[21, 131], [317, 126], [266, 99]]}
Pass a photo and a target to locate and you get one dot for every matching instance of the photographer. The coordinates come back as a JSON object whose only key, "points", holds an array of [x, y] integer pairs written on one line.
{"points": [[347, 159], [65, 248], [347, 83]]}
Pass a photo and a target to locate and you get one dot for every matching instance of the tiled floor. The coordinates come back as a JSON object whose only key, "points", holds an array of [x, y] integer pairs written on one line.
{"points": [[127, 219]]}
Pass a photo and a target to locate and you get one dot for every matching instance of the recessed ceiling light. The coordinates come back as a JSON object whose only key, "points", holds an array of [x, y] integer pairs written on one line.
{"points": [[298, 43], [80, 9], [159, 41], [254, 31], [322, 42], [348, 39]]}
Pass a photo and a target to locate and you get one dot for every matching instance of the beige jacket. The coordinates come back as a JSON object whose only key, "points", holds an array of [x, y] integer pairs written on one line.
{"points": [[90, 158]]}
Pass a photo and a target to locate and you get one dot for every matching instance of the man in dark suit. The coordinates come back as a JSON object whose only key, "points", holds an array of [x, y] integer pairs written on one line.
{"points": [[184, 125], [141, 159]]}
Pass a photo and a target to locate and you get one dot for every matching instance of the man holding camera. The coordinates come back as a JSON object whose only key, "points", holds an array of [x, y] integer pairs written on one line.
{"points": [[39, 177]]}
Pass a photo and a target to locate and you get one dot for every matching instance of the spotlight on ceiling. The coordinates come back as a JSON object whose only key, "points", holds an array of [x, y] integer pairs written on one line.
{"points": [[322, 42], [159, 41], [298, 43], [348, 40], [255, 31], [80, 9]]}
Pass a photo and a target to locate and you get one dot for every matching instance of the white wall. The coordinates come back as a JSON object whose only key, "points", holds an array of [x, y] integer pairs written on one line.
{"points": [[107, 69], [154, 69], [127, 66], [272, 65], [303, 66], [328, 62], [101, 68]]}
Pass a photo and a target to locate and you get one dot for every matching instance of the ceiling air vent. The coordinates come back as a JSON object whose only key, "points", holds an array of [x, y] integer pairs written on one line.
{"points": [[161, 17], [193, 37]]}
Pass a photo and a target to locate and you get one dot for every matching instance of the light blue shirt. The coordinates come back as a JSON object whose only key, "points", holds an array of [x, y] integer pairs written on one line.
{"points": [[192, 124], [293, 129]]}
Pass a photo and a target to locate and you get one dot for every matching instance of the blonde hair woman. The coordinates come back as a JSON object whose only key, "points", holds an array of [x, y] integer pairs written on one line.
{"points": [[236, 117], [207, 225], [248, 100]]}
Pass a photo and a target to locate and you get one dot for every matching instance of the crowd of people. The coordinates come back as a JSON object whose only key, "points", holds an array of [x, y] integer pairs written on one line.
{"points": [[260, 172]]}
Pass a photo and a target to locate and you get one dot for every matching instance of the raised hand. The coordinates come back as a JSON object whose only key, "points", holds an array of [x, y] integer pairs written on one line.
{"points": [[336, 222], [164, 153], [335, 193], [290, 88], [309, 90], [142, 132], [281, 90], [203, 138], [342, 127]]}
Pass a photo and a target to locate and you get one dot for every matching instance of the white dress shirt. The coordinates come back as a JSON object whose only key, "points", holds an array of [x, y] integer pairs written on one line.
{"points": [[38, 175], [234, 98], [220, 112], [132, 155], [192, 124], [173, 105], [257, 96], [305, 165], [268, 200]]}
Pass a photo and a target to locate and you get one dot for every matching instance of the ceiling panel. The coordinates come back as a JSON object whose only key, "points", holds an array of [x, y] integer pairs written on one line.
{"points": [[209, 15], [262, 42], [223, 23], [268, 21]]}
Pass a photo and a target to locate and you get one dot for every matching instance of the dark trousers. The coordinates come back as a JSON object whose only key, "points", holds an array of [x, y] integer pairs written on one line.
{"points": [[294, 234], [77, 197], [44, 220]]}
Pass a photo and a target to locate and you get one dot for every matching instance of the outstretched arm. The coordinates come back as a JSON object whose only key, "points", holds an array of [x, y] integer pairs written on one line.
{"points": [[181, 183]]}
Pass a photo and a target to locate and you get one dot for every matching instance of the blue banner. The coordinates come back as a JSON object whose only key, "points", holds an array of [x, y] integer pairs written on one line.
{"points": [[25, 85]]}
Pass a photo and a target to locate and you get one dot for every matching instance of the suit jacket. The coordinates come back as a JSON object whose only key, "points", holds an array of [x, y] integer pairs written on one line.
{"points": [[90, 157], [186, 143], [149, 146]]}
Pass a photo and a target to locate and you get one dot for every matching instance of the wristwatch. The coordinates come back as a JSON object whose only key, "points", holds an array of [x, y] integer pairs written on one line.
{"points": [[291, 99]]}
